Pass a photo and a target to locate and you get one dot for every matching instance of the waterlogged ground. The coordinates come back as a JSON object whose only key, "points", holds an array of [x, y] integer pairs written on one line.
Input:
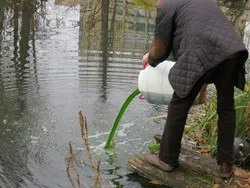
{"points": [[46, 78]]}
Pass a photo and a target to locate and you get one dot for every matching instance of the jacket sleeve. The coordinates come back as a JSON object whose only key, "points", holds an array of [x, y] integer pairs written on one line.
{"points": [[163, 35]]}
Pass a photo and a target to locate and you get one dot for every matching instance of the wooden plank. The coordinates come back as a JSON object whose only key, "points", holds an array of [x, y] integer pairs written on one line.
{"points": [[183, 176], [195, 170]]}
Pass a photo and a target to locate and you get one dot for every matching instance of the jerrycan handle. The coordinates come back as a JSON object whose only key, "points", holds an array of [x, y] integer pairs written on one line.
{"points": [[141, 96]]}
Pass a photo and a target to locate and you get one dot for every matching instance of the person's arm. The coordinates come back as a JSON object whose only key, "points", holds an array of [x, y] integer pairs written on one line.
{"points": [[157, 53], [163, 36]]}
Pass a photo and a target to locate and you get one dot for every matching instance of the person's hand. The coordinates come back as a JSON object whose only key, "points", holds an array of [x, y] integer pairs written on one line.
{"points": [[145, 60]]}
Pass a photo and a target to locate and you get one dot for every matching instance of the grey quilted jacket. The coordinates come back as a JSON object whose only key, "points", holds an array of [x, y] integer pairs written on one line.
{"points": [[200, 37]]}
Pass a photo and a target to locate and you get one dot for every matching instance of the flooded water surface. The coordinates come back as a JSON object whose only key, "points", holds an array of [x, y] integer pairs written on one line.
{"points": [[57, 58]]}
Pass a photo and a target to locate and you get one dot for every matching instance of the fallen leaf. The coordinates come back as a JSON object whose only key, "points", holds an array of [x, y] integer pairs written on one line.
{"points": [[204, 151], [216, 186], [247, 185], [154, 182], [248, 180], [242, 173]]}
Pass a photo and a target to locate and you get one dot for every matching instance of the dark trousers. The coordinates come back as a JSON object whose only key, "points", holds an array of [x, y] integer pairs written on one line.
{"points": [[223, 76]]}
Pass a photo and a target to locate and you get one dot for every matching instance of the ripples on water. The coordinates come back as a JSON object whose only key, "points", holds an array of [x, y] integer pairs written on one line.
{"points": [[46, 77]]}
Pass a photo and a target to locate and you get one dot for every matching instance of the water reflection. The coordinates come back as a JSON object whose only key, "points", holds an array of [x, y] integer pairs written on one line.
{"points": [[119, 35], [56, 60], [13, 166]]}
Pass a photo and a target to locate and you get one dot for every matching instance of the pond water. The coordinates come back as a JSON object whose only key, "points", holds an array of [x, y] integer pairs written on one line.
{"points": [[56, 60]]}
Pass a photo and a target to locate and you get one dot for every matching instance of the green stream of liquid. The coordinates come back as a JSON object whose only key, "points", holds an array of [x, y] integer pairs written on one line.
{"points": [[118, 118]]}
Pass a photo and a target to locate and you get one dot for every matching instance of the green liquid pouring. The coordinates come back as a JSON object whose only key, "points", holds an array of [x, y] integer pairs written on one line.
{"points": [[118, 118]]}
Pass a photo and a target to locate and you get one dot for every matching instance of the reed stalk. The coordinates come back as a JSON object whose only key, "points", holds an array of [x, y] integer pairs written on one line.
{"points": [[98, 182], [71, 165]]}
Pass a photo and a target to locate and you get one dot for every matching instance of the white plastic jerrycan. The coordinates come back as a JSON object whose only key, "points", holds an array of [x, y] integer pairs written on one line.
{"points": [[154, 84]]}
